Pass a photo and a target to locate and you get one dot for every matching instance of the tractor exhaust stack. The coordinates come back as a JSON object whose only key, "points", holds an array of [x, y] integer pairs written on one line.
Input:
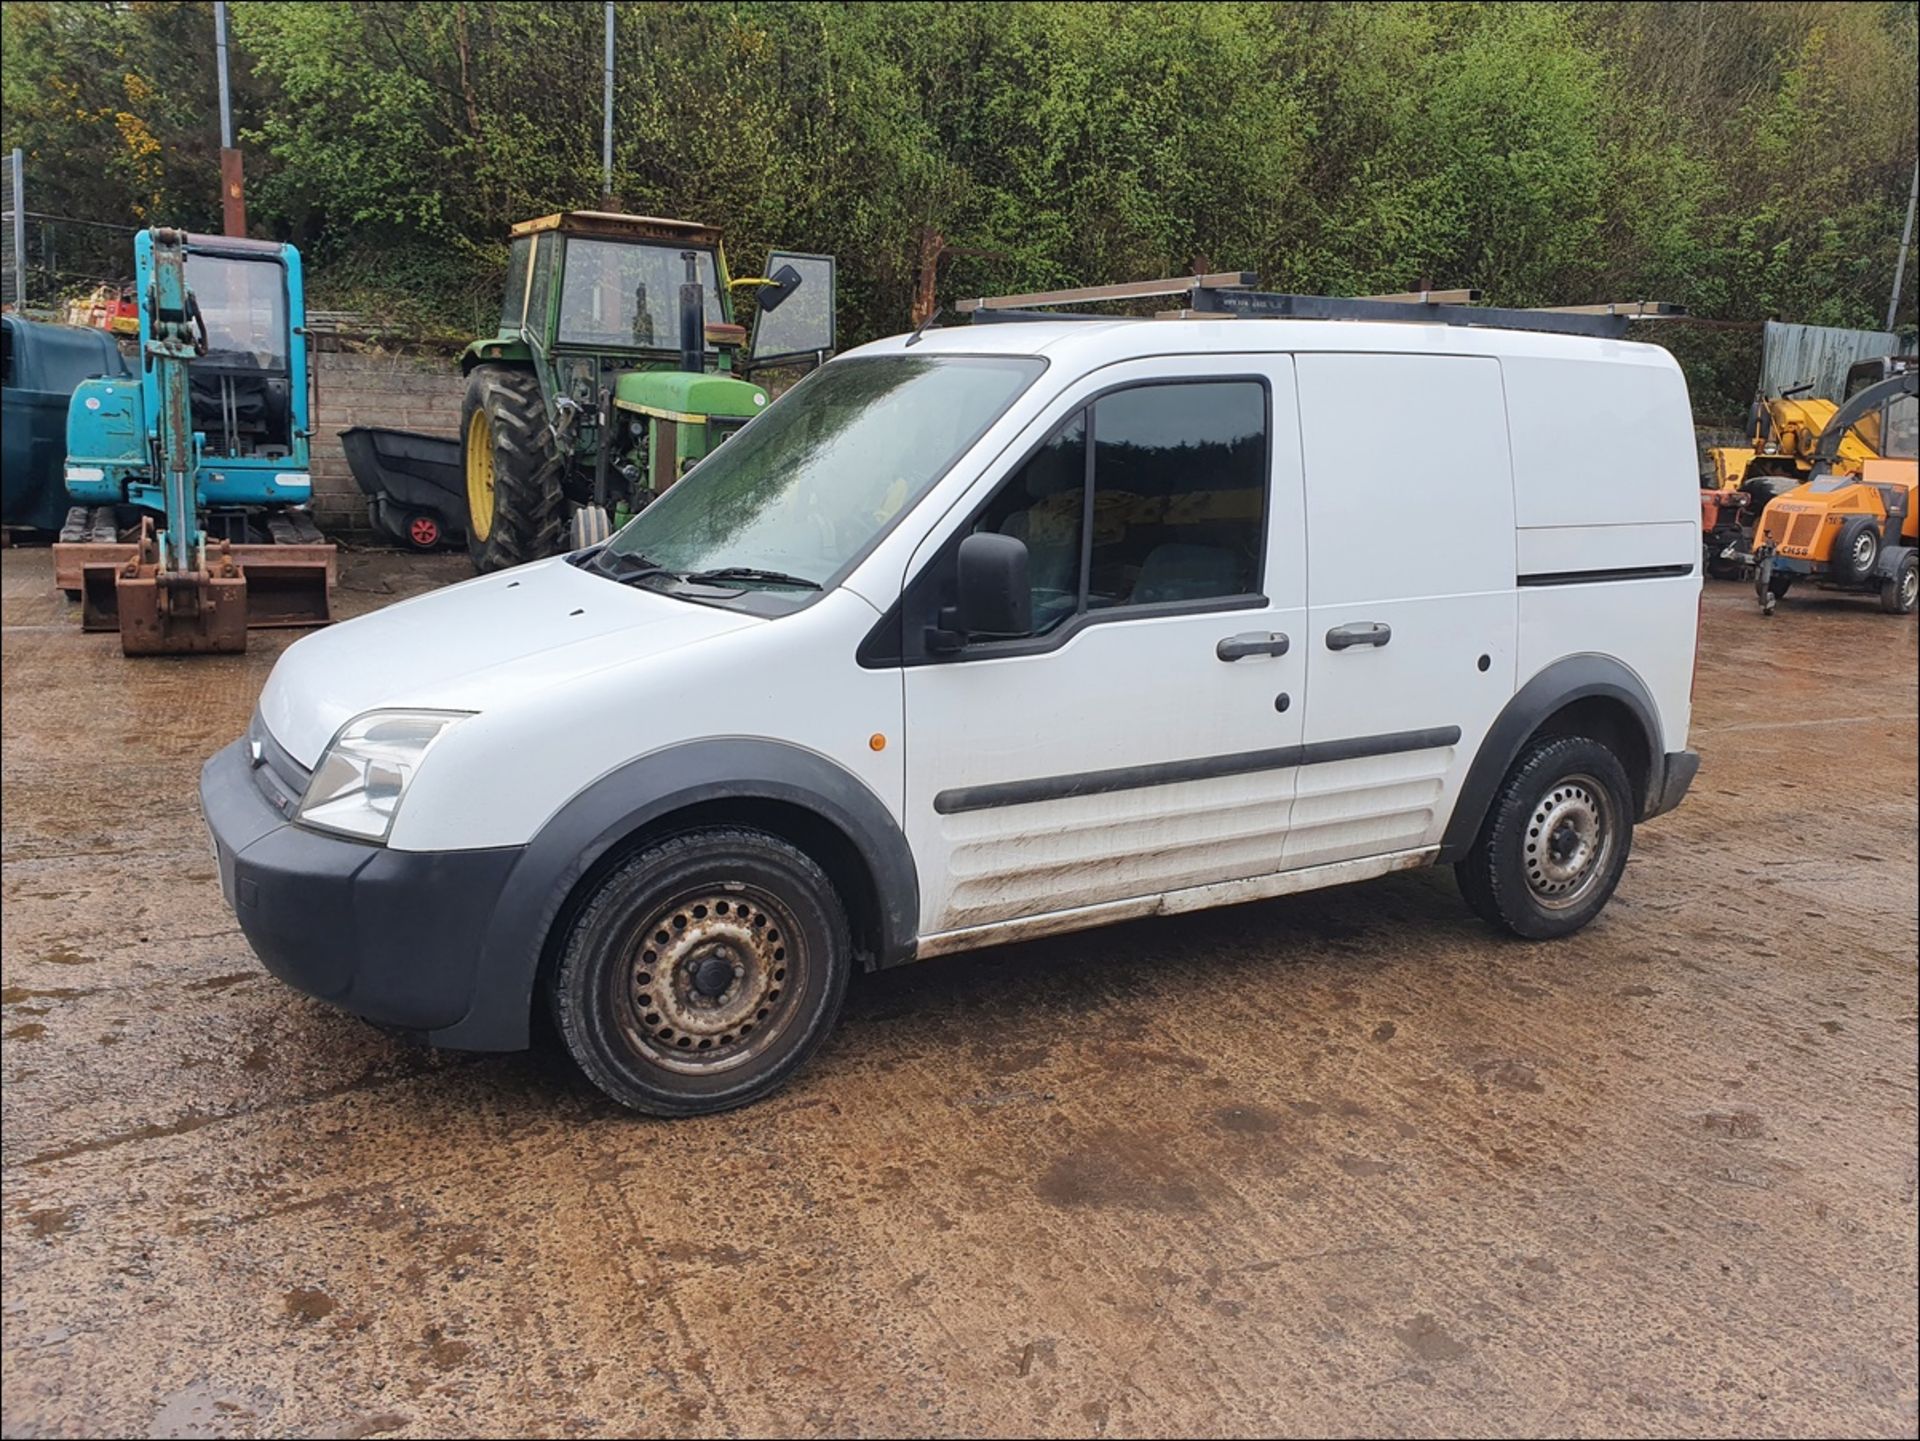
{"points": [[693, 317]]}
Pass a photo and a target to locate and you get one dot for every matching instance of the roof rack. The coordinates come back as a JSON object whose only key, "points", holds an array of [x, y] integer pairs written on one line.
{"points": [[1230, 295]]}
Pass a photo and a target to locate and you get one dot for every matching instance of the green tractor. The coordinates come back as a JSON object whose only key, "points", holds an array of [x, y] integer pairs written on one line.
{"points": [[617, 367]]}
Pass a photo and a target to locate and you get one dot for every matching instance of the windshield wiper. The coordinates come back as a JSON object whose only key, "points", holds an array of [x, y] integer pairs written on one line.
{"points": [[747, 572]]}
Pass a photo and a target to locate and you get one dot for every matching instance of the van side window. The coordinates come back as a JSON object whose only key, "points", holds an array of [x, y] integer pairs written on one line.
{"points": [[1179, 493], [1042, 504]]}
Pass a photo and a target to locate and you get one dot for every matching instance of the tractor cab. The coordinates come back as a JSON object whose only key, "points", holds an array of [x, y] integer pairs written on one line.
{"points": [[593, 284], [618, 365]]}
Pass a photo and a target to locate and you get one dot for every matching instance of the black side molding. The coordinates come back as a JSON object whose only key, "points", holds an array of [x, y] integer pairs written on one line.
{"points": [[1595, 577], [1127, 778]]}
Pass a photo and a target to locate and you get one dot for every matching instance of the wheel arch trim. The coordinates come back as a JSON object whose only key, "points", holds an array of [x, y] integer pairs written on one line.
{"points": [[639, 794], [1572, 678]]}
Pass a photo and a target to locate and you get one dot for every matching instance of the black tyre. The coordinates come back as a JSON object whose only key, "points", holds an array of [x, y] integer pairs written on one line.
{"points": [[1554, 842], [515, 511], [702, 973], [1900, 591], [1856, 550]]}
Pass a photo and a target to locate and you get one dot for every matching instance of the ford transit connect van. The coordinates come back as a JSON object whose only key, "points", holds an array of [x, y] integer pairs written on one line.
{"points": [[996, 632]]}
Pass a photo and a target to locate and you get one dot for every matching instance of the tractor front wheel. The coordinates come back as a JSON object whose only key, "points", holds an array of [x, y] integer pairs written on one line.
{"points": [[515, 512]]}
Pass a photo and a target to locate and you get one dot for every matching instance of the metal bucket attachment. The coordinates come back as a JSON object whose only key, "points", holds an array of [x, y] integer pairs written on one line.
{"points": [[122, 586], [176, 612], [171, 613], [100, 597], [290, 591]]}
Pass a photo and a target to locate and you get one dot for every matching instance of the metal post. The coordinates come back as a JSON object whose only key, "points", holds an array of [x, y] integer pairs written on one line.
{"points": [[606, 134], [1906, 238], [233, 202], [19, 161], [220, 59]]}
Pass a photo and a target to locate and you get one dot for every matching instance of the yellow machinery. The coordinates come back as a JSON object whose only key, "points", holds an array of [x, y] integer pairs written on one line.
{"points": [[1849, 528], [1741, 480]]}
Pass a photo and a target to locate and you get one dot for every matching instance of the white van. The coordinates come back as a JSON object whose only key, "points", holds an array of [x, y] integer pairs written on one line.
{"points": [[996, 632]]}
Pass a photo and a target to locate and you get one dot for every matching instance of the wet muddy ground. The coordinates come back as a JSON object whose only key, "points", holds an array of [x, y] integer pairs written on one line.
{"points": [[1336, 1163]]}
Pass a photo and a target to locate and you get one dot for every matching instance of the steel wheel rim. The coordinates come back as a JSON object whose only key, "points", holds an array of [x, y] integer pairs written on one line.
{"points": [[1862, 550], [1569, 842], [1909, 587], [710, 980], [480, 475]]}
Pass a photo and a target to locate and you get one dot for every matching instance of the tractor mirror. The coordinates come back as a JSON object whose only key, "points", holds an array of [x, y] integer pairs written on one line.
{"points": [[782, 283], [795, 318]]}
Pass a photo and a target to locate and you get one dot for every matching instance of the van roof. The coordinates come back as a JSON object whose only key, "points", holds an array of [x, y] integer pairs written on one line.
{"points": [[1091, 343]]}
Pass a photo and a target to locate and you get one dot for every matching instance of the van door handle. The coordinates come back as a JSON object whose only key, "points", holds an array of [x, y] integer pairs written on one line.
{"points": [[1253, 642], [1360, 632]]}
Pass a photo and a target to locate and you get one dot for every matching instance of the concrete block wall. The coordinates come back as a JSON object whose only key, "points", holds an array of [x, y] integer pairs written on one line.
{"points": [[407, 392]]}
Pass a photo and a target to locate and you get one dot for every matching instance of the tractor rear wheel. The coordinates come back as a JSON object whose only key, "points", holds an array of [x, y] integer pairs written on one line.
{"points": [[1900, 591], [515, 511]]}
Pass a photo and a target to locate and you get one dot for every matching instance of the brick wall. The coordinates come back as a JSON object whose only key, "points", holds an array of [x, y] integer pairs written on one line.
{"points": [[406, 392]]}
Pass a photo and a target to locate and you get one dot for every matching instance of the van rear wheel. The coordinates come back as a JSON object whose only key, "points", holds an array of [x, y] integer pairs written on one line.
{"points": [[702, 972], [1555, 840]]}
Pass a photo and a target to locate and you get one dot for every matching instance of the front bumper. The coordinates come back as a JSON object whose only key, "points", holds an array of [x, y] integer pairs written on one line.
{"points": [[393, 936], [1678, 768]]}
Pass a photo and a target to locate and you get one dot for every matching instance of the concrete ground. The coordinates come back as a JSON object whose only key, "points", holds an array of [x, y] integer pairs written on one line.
{"points": [[1338, 1163]]}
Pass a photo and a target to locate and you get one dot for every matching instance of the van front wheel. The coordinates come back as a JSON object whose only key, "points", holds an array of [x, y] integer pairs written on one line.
{"points": [[702, 972], [1555, 840]]}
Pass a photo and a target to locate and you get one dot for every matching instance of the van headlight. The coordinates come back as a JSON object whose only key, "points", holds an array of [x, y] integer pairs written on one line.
{"points": [[357, 787]]}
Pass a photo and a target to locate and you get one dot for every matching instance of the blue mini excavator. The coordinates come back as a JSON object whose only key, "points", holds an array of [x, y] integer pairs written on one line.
{"points": [[191, 480]]}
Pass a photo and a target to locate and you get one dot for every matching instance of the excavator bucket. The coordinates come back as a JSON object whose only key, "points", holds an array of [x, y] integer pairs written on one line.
{"points": [[121, 585], [291, 587], [168, 612], [100, 597], [182, 613]]}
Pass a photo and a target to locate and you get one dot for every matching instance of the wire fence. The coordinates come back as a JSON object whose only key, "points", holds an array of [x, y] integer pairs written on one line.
{"points": [[45, 259], [9, 261], [67, 257]]}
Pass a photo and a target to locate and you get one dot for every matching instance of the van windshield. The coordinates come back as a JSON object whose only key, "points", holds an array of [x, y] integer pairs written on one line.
{"points": [[810, 484]]}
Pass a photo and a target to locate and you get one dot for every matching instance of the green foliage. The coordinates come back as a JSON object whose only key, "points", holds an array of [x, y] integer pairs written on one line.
{"points": [[1746, 159]]}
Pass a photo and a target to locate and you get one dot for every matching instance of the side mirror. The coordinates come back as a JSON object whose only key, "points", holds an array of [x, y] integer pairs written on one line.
{"points": [[784, 282], [994, 597]]}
